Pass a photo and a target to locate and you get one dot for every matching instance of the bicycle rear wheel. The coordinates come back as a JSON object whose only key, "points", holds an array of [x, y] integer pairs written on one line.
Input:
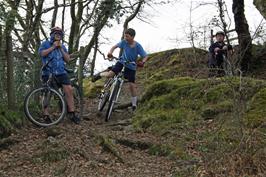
{"points": [[112, 100], [227, 67], [44, 106], [105, 94]]}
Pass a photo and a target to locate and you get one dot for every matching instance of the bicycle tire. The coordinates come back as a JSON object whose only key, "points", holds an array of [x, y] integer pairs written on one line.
{"points": [[112, 100], [103, 100], [227, 68], [41, 97]]}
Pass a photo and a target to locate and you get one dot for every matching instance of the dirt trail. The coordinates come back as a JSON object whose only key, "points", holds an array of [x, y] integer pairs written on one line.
{"points": [[93, 148]]}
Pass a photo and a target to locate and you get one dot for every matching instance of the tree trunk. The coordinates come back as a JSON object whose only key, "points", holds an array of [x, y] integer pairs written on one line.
{"points": [[94, 56], [75, 25], [222, 18], [261, 6], [63, 15], [10, 74], [54, 13], [2, 68], [244, 38], [10, 22]]}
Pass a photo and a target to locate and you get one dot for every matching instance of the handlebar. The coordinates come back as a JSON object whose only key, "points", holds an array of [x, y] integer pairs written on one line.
{"points": [[221, 51], [110, 58]]}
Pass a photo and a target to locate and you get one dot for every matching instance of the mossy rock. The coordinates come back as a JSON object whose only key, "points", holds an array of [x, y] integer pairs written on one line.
{"points": [[174, 63], [168, 103], [92, 90], [256, 113], [167, 86]]}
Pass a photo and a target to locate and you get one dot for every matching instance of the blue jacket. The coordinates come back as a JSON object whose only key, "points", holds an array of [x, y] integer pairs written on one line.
{"points": [[57, 63]]}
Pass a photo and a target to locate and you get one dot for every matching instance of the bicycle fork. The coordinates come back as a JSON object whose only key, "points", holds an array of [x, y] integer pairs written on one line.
{"points": [[119, 90]]}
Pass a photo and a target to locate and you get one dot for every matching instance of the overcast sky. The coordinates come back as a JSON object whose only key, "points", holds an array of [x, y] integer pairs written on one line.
{"points": [[169, 23]]}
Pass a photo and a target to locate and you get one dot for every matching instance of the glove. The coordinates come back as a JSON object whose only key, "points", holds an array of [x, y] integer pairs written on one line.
{"points": [[109, 55], [140, 64]]}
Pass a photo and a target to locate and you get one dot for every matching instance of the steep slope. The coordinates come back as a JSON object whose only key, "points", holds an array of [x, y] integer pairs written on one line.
{"points": [[217, 124], [186, 125]]}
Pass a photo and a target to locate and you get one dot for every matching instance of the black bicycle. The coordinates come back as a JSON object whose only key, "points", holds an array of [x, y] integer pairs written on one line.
{"points": [[46, 105], [226, 65], [223, 69], [111, 91]]}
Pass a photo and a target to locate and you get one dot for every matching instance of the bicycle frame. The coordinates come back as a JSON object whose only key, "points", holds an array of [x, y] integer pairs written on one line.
{"points": [[226, 65], [116, 78], [113, 86]]}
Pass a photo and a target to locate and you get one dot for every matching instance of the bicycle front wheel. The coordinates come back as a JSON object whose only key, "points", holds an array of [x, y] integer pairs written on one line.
{"points": [[104, 96], [44, 106], [227, 67], [112, 100]]}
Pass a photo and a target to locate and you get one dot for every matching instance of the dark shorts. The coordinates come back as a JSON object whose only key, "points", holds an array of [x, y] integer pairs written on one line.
{"points": [[60, 79], [129, 74]]}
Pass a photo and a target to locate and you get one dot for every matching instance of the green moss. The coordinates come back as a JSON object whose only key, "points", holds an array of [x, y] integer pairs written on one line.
{"points": [[256, 114], [51, 152], [179, 85], [172, 101], [92, 90], [218, 92], [52, 155], [212, 111], [9, 120], [177, 108]]}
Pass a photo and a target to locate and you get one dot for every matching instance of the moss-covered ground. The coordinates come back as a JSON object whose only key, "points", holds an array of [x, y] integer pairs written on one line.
{"points": [[218, 122]]}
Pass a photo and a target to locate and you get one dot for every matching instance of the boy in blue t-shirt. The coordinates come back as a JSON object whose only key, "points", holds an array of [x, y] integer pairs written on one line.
{"points": [[131, 49]]}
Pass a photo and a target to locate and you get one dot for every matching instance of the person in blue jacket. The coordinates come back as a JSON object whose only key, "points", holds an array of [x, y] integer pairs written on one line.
{"points": [[131, 50], [54, 52]]}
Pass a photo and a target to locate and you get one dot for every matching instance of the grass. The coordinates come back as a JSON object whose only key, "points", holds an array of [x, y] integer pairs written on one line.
{"points": [[221, 119]]}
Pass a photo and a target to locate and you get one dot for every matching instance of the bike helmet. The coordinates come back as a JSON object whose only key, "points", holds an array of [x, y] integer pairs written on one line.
{"points": [[220, 32], [57, 29]]}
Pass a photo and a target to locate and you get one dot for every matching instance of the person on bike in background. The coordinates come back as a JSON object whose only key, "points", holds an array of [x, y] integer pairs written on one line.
{"points": [[131, 49], [216, 53], [55, 52]]}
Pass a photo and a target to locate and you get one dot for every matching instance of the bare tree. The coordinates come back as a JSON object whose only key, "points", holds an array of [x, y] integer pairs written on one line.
{"points": [[131, 17], [10, 22], [244, 38], [2, 68], [221, 8], [54, 13]]}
